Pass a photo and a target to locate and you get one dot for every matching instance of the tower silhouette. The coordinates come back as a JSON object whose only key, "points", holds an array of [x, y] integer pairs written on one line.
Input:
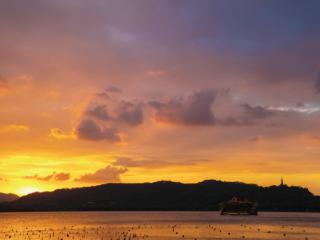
{"points": [[281, 183]]}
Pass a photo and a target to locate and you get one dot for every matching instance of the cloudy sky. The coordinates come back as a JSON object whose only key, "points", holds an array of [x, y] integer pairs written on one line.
{"points": [[144, 90]]}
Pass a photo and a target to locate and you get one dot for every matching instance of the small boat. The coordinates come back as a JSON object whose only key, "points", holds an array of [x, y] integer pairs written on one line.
{"points": [[237, 206]]}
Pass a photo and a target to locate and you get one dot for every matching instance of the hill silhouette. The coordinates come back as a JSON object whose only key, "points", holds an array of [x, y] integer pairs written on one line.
{"points": [[166, 196], [7, 197]]}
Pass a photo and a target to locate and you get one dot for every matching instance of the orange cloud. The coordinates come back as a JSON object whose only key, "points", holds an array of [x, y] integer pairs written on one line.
{"points": [[14, 128], [53, 176], [62, 176], [57, 133], [108, 174]]}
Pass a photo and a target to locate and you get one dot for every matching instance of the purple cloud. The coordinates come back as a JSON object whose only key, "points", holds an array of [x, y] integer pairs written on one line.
{"points": [[90, 130], [100, 112], [256, 112], [130, 113], [192, 110]]}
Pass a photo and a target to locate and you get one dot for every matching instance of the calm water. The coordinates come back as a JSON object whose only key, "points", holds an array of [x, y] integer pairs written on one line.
{"points": [[158, 225]]}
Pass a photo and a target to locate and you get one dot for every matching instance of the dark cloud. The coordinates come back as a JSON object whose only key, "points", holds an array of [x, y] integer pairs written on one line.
{"points": [[197, 109], [121, 110], [300, 104], [104, 95], [90, 130], [53, 176], [130, 113], [192, 110], [256, 112], [100, 112], [108, 174], [105, 119], [107, 92], [113, 89], [250, 115]]}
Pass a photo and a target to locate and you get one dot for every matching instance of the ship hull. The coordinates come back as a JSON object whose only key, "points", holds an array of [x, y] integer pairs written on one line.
{"points": [[239, 208]]}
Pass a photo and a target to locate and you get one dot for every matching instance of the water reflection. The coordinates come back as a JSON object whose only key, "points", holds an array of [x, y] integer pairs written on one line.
{"points": [[157, 225]]}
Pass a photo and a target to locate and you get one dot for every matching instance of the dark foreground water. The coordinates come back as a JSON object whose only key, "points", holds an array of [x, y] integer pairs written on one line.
{"points": [[157, 225]]}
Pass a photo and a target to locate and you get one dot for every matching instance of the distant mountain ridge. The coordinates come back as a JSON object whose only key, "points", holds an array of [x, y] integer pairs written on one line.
{"points": [[8, 197], [166, 196]]}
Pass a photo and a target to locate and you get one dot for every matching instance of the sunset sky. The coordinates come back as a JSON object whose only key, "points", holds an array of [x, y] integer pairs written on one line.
{"points": [[146, 90]]}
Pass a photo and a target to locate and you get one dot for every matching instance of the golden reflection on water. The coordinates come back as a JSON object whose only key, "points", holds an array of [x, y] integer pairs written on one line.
{"points": [[157, 226]]}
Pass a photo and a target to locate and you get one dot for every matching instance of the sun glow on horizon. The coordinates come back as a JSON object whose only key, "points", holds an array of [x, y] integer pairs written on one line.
{"points": [[27, 190]]}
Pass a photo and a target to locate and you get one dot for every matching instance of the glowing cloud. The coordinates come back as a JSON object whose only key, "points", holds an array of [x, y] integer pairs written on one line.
{"points": [[14, 128]]}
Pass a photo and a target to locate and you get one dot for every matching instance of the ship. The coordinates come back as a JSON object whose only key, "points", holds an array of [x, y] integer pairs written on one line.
{"points": [[237, 206]]}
